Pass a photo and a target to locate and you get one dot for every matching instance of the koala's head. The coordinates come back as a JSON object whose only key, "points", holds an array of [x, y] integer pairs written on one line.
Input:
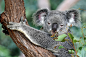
{"points": [[56, 21]]}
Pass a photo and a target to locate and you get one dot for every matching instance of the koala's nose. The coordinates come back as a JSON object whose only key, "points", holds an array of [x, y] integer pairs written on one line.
{"points": [[54, 27]]}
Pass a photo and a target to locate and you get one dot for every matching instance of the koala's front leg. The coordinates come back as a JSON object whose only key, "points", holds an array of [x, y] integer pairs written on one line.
{"points": [[13, 25]]}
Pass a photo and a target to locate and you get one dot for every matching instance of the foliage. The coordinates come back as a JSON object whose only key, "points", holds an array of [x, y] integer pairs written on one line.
{"points": [[60, 47], [79, 43], [71, 51], [60, 38]]}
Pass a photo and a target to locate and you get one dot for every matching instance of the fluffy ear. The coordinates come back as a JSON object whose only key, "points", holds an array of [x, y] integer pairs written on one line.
{"points": [[40, 16], [73, 17]]}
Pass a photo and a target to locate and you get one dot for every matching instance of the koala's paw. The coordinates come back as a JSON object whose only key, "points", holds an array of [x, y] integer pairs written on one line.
{"points": [[17, 26], [5, 31], [14, 26]]}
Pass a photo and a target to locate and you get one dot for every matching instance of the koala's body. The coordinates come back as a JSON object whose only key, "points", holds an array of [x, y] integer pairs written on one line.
{"points": [[42, 38]]}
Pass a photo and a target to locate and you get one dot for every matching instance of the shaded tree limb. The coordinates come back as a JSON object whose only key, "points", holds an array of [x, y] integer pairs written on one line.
{"points": [[14, 9], [44, 4], [66, 4]]}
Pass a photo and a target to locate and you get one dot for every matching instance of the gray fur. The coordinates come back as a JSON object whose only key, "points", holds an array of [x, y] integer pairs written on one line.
{"points": [[42, 38]]}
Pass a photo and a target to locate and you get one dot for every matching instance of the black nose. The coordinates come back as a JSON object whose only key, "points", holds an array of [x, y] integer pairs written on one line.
{"points": [[54, 27]]}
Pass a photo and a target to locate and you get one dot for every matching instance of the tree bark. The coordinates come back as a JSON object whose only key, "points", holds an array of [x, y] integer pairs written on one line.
{"points": [[66, 4], [14, 9]]}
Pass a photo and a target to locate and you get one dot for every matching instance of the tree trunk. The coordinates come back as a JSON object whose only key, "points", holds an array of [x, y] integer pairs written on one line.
{"points": [[14, 9]]}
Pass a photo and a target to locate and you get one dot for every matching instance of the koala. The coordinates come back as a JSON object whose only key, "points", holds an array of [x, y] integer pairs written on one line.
{"points": [[56, 21], [52, 21]]}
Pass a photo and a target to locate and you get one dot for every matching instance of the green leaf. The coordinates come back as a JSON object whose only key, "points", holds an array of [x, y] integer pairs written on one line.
{"points": [[61, 37], [74, 41], [63, 40], [85, 49], [71, 51], [71, 36], [60, 47], [84, 38], [85, 43], [80, 48]]}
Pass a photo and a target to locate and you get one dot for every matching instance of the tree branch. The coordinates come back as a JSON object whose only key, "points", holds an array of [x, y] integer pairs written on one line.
{"points": [[43, 4], [66, 4], [14, 9]]}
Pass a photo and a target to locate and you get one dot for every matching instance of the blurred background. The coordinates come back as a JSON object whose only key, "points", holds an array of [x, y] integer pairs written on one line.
{"points": [[8, 47]]}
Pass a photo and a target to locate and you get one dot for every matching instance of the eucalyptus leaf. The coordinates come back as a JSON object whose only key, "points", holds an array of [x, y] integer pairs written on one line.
{"points": [[85, 48], [74, 41], [71, 51], [60, 47], [71, 36], [80, 48], [84, 38], [61, 37]]}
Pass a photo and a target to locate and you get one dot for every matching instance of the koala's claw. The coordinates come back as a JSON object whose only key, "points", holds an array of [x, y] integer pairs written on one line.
{"points": [[23, 21]]}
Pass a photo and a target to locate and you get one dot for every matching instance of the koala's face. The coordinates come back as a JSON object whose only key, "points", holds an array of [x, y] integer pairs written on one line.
{"points": [[56, 21]]}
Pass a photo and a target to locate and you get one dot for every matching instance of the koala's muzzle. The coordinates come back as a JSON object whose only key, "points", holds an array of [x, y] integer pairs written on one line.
{"points": [[54, 27]]}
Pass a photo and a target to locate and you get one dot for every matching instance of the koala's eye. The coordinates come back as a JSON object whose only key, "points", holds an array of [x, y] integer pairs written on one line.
{"points": [[61, 25], [48, 23]]}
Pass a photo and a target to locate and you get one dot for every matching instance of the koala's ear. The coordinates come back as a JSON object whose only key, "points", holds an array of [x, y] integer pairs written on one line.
{"points": [[40, 16], [73, 17]]}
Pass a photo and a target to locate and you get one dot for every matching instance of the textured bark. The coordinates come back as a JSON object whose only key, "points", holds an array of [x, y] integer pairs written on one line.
{"points": [[14, 9], [66, 4]]}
